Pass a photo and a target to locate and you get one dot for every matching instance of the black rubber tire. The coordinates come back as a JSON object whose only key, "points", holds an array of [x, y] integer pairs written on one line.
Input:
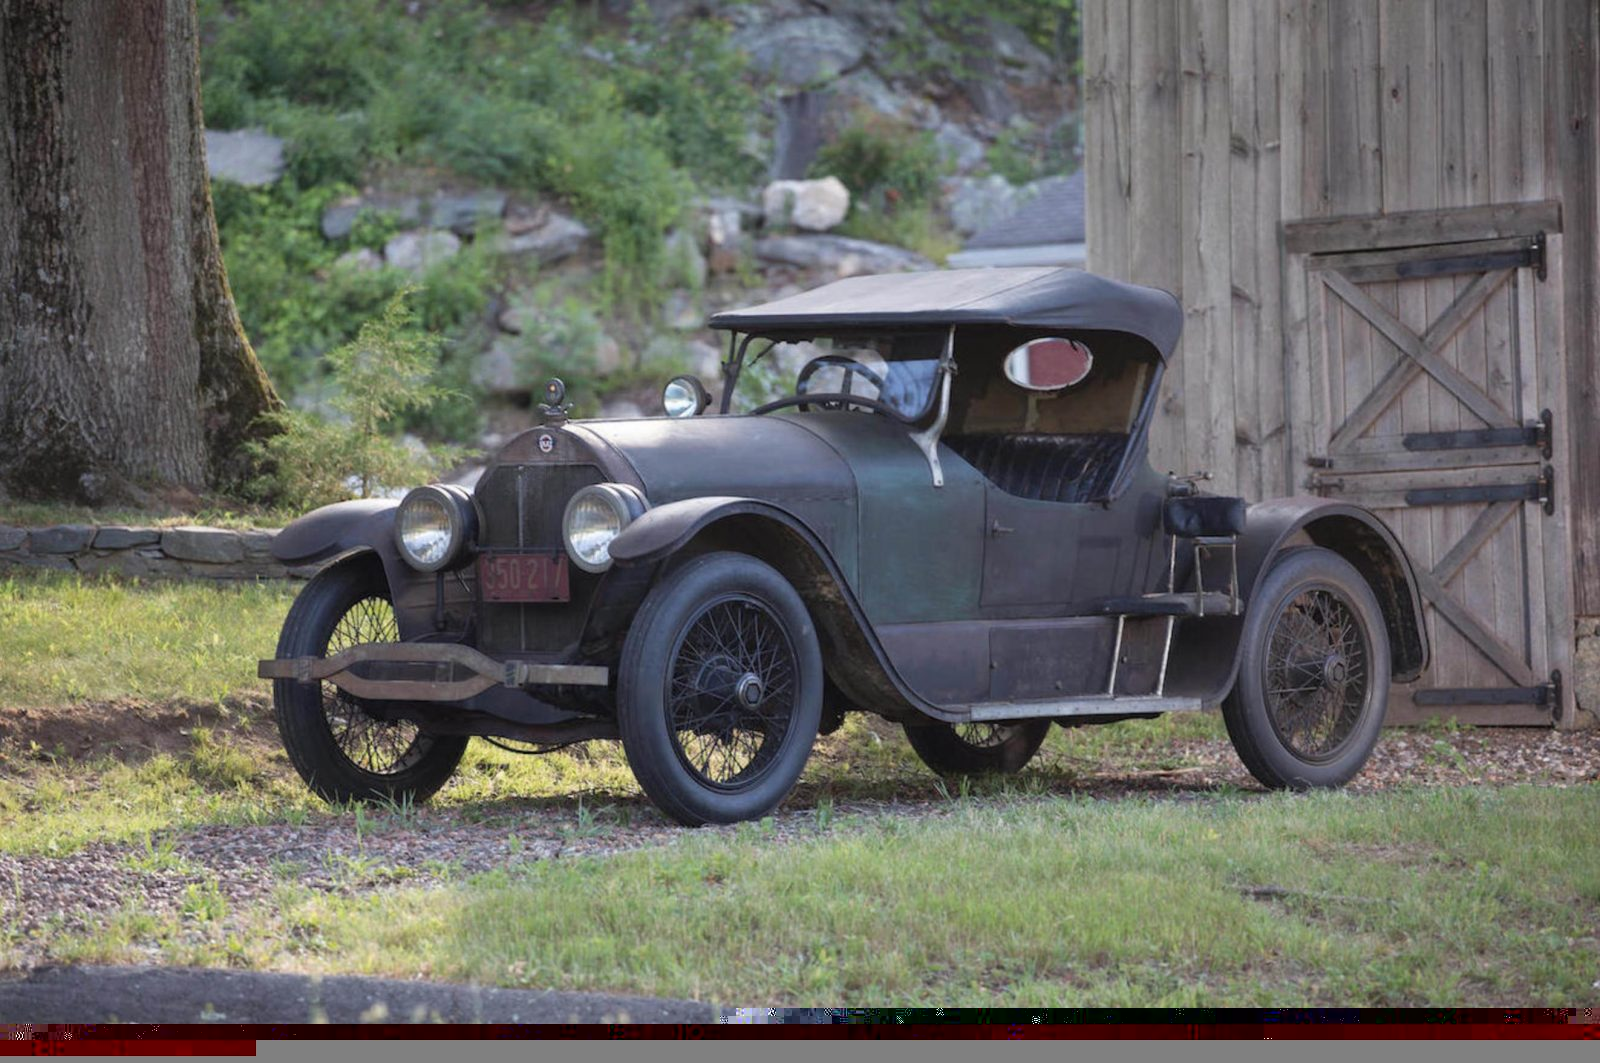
{"points": [[302, 719], [1263, 750], [944, 749], [648, 658]]}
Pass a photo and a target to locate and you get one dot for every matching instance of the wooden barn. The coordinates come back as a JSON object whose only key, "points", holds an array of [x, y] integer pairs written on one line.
{"points": [[1380, 216]]}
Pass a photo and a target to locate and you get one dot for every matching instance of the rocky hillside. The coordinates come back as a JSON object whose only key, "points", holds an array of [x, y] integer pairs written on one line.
{"points": [[575, 192]]}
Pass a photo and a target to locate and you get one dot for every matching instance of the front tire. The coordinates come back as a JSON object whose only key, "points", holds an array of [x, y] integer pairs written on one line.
{"points": [[719, 690], [977, 748], [344, 752], [1313, 682]]}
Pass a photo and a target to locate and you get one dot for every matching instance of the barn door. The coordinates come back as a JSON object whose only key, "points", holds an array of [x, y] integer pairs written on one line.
{"points": [[1426, 383]]}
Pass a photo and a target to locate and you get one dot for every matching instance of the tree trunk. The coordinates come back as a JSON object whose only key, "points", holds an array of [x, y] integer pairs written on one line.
{"points": [[122, 359]]}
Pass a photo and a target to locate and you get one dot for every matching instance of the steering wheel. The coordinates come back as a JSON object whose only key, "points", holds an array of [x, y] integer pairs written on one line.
{"points": [[850, 366]]}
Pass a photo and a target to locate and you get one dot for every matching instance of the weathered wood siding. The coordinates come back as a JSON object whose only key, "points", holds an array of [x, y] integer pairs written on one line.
{"points": [[1211, 126]]}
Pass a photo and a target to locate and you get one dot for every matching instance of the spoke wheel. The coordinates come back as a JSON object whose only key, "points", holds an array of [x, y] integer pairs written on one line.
{"points": [[731, 692], [1313, 681], [343, 746], [1316, 674], [985, 748], [719, 690], [370, 743]]}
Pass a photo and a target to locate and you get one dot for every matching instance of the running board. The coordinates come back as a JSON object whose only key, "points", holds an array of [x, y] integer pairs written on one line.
{"points": [[1097, 705]]}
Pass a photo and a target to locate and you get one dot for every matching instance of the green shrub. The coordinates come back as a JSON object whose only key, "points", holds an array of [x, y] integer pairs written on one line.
{"points": [[1021, 154], [387, 372], [886, 164]]}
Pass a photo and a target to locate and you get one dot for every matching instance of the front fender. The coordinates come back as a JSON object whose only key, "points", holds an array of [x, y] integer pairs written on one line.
{"points": [[366, 523], [665, 530]]}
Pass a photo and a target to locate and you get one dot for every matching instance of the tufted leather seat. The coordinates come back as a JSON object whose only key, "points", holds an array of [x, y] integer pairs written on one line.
{"points": [[1046, 468]]}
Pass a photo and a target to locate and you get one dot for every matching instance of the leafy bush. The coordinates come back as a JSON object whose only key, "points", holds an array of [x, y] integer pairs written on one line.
{"points": [[1021, 154], [387, 372], [893, 173]]}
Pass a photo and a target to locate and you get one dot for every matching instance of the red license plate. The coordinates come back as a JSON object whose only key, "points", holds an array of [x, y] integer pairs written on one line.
{"points": [[524, 578]]}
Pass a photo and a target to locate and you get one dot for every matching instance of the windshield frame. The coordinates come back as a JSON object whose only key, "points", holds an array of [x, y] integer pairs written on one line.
{"points": [[738, 356]]}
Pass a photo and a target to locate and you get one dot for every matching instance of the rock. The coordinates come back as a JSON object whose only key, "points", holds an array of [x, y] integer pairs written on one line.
{"points": [[462, 214], [363, 259], [974, 202], [725, 240], [257, 545], [61, 539], [686, 265], [1018, 54], [116, 537], [682, 312], [213, 545], [864, 90], [556, 238], [1586, 669], [606, 357], [621, 410], [803, 52], [798, 133], [500, 370], [13, 538], [339, 219], [840, 255], [249, 157], [815, 205], [705, 362], [963, 150], [418, 249]]}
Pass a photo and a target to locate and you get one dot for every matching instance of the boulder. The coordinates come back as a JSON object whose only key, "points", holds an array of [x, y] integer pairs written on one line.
{"points": [[1018, 55], [961, 149], [13, 538], [682, 312], [418, 249], [975, 202], [815, 205], [61, 539], [339, 219], [463, 213], [500, 370], [686, 265], [803, 52], [705, 362], [554, 238], [216, 546], [257, 545], [841, 256], [362, 259], [864, 90], [249, 157], [725, 240], [116, 537]]}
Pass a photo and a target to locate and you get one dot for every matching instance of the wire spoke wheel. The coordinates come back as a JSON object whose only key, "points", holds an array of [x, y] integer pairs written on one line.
{"points": [[376, 746], [984, 735], [730, 692], [1317, 674]]}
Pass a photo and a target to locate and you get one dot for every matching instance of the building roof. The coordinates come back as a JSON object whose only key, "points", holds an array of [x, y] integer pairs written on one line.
{"points": [[1054, 215], [1027, 297]]}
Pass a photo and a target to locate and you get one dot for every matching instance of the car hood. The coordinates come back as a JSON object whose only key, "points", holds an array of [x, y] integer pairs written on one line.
{"points": [[778, 458]]}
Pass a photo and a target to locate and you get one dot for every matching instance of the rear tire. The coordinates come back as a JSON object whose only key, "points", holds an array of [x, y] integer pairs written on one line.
{"points": [[343, 752], [719, 690], [977, 748], [1313, 683]]}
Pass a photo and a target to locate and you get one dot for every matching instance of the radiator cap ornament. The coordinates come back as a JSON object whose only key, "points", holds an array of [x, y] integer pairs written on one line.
{"points": [[555, 407]]}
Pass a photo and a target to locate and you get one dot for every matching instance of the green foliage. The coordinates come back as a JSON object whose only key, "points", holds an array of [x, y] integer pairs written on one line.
{"points": [[561, 336], [886, 164], [946, 38], [611, 124], [386, 372], [1021, 154]]}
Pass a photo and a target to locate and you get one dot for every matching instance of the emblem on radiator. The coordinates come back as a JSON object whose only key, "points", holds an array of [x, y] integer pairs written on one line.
{"points": [[547, 442]]}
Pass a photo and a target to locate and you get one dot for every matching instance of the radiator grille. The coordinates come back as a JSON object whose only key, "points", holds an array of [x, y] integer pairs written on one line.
{"points": [[543, 627]]}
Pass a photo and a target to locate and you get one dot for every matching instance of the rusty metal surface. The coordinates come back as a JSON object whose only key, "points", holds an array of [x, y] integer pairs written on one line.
{"points": [[343, 670]]}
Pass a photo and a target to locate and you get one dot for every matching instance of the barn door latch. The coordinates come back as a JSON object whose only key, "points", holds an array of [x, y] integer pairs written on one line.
{"points": [[1536, 248]]}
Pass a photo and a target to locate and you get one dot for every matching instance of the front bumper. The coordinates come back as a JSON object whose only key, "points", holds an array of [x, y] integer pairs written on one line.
{"points": [[426, 671]]}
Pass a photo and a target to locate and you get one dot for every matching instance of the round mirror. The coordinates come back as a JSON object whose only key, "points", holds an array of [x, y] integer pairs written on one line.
{"points": [[1048, 364], [684, 396]]}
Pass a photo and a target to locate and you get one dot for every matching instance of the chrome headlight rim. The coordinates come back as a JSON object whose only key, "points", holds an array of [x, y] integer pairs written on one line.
{"points": [[461, 515], [626, 504]]}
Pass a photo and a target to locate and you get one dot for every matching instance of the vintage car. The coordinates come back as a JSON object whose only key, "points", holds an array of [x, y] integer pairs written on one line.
{"points": [[947, 517]]}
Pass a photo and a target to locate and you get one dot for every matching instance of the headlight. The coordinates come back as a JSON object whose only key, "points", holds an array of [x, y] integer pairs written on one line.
{"points": [[435, 525], [595, 516], [684, 396]]}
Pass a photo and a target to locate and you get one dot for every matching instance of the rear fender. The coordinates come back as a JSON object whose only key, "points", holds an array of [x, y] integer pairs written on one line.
{"points": [[1205, 655]]}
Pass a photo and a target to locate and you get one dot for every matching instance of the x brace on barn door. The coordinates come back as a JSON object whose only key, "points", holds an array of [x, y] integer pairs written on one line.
{"points": [[1496, 464]]}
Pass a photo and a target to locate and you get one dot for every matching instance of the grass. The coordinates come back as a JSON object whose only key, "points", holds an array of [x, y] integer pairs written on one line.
{"points": [[45, 514], [69, 638]]}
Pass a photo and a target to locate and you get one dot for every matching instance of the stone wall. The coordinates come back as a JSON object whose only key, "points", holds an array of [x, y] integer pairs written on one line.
{"points": [[179, 553]]}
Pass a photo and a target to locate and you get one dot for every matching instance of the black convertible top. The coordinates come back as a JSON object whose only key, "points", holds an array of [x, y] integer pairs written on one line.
{"points": [[1029, 297]]}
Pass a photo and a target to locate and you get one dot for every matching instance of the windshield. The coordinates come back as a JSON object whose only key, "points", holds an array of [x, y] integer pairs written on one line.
{"points": [[898, 370]]}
